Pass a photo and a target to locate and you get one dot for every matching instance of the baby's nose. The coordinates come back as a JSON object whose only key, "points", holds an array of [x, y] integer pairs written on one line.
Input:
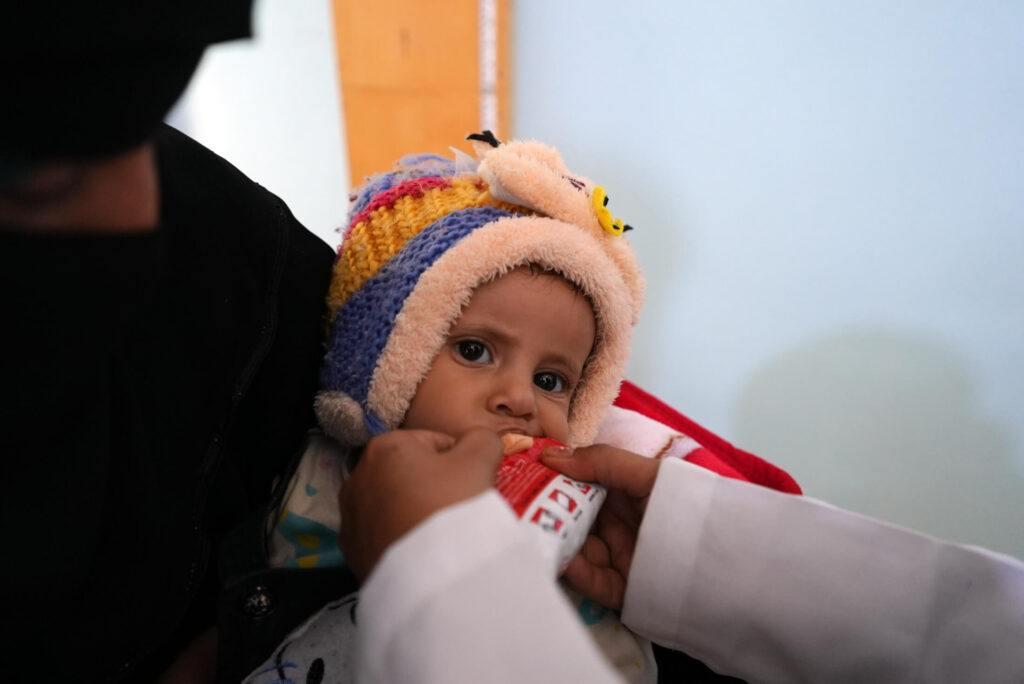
{"points": [[514, 396]]}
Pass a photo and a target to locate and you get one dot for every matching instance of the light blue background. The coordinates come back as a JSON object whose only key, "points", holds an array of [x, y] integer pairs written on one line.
{"points": [[828, 206]]}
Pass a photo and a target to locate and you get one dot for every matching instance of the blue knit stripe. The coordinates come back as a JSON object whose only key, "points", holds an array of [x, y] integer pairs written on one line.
{"points": [[440, 166], [374, 185], [374, 425], [362, 325]]}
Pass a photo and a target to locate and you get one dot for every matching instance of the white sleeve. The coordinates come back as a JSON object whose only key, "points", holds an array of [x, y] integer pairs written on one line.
{"points": [[464, 597], [779, 588]]}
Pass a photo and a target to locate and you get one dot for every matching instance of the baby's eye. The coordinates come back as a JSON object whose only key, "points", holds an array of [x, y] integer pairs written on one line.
{"points": [[550, 382], [473, 350]]}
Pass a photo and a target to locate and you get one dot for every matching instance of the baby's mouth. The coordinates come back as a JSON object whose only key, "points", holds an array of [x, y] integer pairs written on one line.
{"points": [[514, 442]]}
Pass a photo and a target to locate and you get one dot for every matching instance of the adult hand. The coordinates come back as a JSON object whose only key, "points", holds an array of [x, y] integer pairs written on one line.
{"points": [[601, 569], [403, 477]]}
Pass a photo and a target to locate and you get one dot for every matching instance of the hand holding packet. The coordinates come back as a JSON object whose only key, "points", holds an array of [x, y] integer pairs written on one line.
{"points": [[558, 510]]}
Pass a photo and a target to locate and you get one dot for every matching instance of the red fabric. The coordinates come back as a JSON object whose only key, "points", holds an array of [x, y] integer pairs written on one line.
{"points": [[717, 454]]}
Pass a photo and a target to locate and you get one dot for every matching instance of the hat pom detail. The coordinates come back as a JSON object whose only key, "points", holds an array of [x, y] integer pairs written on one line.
{"points": [[341, 417]]}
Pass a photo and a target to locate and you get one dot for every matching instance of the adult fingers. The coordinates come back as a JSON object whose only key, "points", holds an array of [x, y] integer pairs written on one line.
{"points": [[614, 468], [403, 443], [619, 538], [479, 444], [590, 574]]}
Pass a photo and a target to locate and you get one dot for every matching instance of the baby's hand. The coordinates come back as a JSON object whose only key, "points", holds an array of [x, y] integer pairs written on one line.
{"points": [[403, 477]]}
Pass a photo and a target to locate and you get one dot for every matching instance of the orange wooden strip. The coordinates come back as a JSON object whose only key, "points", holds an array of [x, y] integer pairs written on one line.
{"points": [[409, 77], [504, 70]]}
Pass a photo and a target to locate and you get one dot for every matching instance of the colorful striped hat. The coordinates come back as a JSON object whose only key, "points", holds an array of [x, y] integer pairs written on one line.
{"points": [[420, 241]]}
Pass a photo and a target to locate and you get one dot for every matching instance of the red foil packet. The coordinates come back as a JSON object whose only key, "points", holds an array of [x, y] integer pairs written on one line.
{"points": [[558, 509]]}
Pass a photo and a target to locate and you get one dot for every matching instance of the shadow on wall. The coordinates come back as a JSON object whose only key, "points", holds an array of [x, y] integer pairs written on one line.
{"points": [[888, 425]]}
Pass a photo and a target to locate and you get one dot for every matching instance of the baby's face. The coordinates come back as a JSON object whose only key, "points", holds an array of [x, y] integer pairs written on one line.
{"points": [[511, 362]]}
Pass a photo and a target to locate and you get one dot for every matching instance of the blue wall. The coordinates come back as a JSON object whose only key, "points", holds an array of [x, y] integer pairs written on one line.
{"points": [[829, 208]]}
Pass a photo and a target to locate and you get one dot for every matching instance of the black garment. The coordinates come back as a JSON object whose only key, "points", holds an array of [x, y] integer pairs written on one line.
{"points": [[153, 386], [91, 79], [260, 605]]}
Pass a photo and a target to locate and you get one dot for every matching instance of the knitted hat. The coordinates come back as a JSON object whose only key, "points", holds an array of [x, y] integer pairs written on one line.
{"points": [[422, 238]]}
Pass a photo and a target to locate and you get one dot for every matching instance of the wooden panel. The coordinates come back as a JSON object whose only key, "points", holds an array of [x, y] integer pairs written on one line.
{"points": [[410, 77], [504, 33]]}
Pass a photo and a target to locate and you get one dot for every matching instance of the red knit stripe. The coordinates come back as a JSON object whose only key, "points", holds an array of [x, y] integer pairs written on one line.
{"points": [[414, 187]]}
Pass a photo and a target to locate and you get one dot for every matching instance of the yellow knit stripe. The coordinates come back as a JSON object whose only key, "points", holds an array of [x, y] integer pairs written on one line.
{"points": [[383, 233]]}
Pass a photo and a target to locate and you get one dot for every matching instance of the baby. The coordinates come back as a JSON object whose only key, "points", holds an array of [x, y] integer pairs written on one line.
{"points": [[494, 292]]}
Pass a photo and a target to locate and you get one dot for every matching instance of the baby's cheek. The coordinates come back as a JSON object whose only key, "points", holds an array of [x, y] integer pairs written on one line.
{"points": [[556, 427]]}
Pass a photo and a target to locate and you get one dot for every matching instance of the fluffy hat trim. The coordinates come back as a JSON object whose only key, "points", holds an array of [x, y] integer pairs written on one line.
{"points": [[532, 174], [365, 322], [425, 236], [488, 252]]}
